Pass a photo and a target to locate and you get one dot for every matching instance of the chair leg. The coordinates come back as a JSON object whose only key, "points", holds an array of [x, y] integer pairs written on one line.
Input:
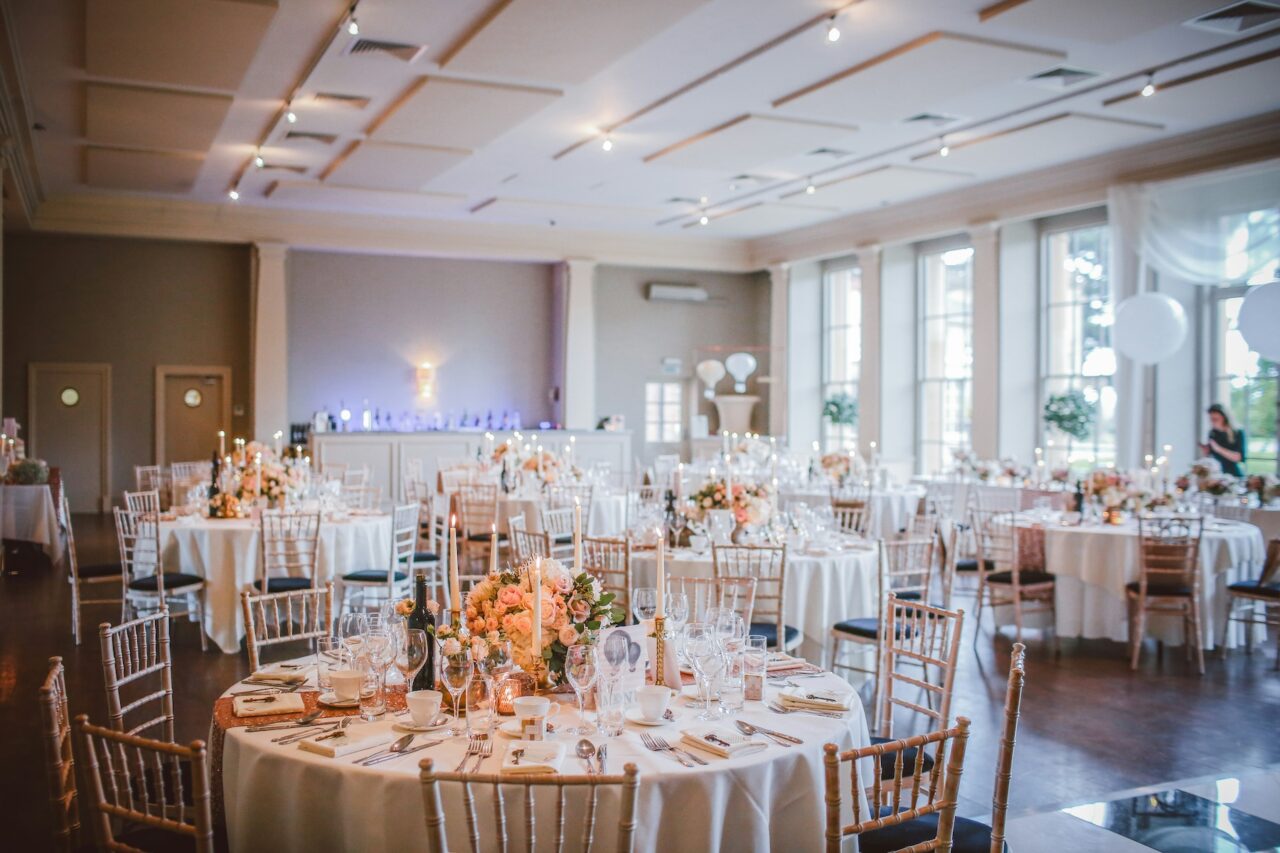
{"points": [[1017, 616], [1226, 627], [1140, 630], [1194, 636], [977, 620]]}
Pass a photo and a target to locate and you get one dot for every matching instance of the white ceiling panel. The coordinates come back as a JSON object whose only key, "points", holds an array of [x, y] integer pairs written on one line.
{"points": [[878, 186], [763, 218], [1219, 97], [562, 41], [155, 171], [1099, 21], [1059, 139], [917, 77], [383, 166], [460, 113], [330, 197], [540, 212], [206, 43], [750, 141], [152, 118]]}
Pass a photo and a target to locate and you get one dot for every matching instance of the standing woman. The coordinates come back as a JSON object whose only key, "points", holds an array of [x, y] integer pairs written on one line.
{"points": [[1226, 443]]}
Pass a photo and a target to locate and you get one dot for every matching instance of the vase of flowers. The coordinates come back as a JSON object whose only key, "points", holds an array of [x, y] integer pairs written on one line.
{"points": [[837, 465], [27, 472], [1070, 413], [225, 505], [1265, 486], [841, 410]]}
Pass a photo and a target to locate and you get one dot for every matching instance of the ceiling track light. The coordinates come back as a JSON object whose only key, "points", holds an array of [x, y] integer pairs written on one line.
{"points": [[607, 145], [353, 26], [233, 194], [809, 188], [289, 115], [1149, 89], [258, 162], [943, 148], [833, 32], [703, 219]]}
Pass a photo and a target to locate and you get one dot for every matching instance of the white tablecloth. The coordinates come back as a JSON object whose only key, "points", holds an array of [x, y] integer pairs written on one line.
{"points": [[1267, 520], [27, 514], [889, 509], [228, 555], [608, 515], [822, 589], [281, 798], [1092, 564]]}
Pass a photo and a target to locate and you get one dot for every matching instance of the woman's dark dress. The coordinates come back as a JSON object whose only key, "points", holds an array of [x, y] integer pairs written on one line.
{"points": [[1235, 444]]}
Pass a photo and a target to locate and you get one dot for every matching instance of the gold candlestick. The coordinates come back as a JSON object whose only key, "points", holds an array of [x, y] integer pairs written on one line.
{"points": [[659, 631]]}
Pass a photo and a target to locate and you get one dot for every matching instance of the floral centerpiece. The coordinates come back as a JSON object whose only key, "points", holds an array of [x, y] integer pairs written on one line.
{"points": [[278, 480], [27, 472], [1217, 486], [1265, 486], [225, 505], [837, 465], [1060, 475], [574, 605], [750, 504], [1010, 468]]}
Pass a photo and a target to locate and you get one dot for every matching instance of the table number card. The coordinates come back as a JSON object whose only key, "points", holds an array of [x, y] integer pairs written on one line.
{"points": [[626, 649]]}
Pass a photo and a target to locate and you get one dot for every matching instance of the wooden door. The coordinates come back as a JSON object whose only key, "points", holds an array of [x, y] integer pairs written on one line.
{"points": [[193, 405], [69, 412]]}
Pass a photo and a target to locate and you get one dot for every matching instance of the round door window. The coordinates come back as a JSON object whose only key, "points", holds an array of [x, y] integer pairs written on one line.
{"points": [[69, 396], [192, 398]]}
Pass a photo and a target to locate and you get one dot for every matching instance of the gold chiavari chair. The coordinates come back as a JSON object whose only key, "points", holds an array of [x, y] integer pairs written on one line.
{"points": [[153, 478], [426, 554], [184, 475], [134, 653], [362, 496], [1168, 580], [1008, 582], [948, 551], [565, 495], [526, 544], [290, 549], [85, 578], [768, 565], [853, 515], [285, 617], [736, 594], [59, 757], [968, 836], [641, 499], [147, 586], [393, 580], [143, 782], [1265, 591], [609, 561], [558, 525], [624, 787], [905, 568], [477, 514], [142, 501], [897, 799], [983, 506]]}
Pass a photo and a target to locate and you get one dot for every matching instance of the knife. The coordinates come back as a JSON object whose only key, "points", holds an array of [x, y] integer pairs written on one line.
{"points": [[395, 755], [601, 755]]}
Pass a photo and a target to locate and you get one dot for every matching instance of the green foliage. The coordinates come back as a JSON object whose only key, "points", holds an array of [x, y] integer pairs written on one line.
{"points": [[1070, 413], [27, 472], [841, 410]]}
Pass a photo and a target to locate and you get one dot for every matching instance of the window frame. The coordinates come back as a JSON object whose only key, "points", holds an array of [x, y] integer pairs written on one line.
{"points": [[663, 383], [1210, 306], [925, 250], [825, 382]]}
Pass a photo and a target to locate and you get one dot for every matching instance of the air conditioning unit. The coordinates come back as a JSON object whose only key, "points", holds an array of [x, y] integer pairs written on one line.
{"points": [[660, 292]]}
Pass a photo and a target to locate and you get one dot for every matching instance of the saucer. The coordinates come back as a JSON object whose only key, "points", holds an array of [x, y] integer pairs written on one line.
{"points": [[331, 699], [410, 726], [511, 728], [633, 716]]}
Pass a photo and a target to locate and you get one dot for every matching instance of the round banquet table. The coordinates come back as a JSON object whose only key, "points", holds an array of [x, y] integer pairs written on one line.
{"points": [[1092, 563], [823, 586], [890, 508], [227, 553], [608, 516], [27, 513], [279, 797]]}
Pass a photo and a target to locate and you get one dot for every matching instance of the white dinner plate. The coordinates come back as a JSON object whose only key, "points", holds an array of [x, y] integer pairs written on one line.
{"points": [[633, 716]]}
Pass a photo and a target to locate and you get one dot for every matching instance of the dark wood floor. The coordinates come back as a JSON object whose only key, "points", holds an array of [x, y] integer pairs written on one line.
{"points": [[1089, 725]]}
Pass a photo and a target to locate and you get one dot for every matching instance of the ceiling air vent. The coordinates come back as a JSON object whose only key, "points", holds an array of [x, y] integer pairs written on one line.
{"points": [[1062, 77], [330, 99], [679, 199], [1237, 18], [833, 153], [399, 51], [281, 167], [933, 119], [745, 182], [311, 136]]}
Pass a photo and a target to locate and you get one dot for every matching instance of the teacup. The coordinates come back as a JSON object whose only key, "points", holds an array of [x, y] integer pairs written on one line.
{"points": [[346, 684], [653, 700], [424, 705], [532, 713]]}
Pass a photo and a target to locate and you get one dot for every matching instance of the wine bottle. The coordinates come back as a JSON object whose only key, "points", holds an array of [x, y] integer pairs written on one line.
{"points": [[213, 476], [421, 618], [1078, 500]]}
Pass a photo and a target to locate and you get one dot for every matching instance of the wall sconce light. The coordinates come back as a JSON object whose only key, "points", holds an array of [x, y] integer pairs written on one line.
{"points": [[426, 376]]}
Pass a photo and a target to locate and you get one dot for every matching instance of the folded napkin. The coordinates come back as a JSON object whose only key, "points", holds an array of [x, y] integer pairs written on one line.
{"points": [[738, 743], [276, 675], [348, 740], [262, 706], [539, 756], [817, 698], [779, 662]]}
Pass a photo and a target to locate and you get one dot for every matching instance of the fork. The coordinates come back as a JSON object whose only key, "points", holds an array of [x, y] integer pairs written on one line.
{"points": [[662, 742], [473, 748], [650, 744], [779, 709], [486, 749]]}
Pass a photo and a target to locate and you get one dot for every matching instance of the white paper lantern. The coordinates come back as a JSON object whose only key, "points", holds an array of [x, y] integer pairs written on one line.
{"points": [[741, 365], [1149, 327], [1259, 320], [710, 372]]}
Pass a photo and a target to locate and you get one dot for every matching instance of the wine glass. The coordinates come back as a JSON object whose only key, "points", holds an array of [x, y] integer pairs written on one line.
{"points": [[729, 626], [705, 656], [411, 654], [644, 603], [580, 668], [352, 629], [455, 673]]}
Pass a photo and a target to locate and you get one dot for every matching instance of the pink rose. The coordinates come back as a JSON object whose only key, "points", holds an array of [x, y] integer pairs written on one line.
{"points": [[472, 612], [561, 621], [490, 625], [563, 583], [523, 624], [579, 610], [433, 607], [568, 635], [500, 609], [509, 596]]}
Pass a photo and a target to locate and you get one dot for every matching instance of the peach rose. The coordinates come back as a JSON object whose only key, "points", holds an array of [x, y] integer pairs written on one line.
{"points": [[579, 609], [563, 583], [510, 596], [490, 625], [472, 612], [523, 624], [548, 611], [568, 635]]}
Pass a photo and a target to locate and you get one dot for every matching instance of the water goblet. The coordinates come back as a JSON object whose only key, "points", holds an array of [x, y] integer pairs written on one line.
{"points": [[411, 654], [580, 667], [455, 674], [644, 603]]}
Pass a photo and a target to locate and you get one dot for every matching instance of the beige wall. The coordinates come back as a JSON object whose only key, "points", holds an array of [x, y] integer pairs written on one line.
{"points": [[133, 304], [360, 324], [633, 335]]}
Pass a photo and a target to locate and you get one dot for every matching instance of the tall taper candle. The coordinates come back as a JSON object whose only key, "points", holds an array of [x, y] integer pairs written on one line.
{"points": [[577, 535], [455, 591], [493, 549], [535, 581], [662, 579], [222, 443]]}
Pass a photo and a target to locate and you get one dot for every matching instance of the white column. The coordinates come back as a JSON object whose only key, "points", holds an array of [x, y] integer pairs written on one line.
{"points": [[985, 435], [870, 423], [804, 354], [270, 341], [899, 385], [577, 279], [1020, 403], [779, 297]]}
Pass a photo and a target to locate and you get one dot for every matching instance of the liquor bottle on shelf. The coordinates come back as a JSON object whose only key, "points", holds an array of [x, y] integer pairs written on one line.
{"points": [[422, 619]]}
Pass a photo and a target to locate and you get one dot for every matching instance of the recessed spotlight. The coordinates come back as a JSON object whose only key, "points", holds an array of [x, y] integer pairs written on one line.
{"points": [[703, 199], [833, 32], [733, 187], [607, 145], [234, 195], [703, 220], [258, 161], [353, 26], [943, 148], [290, 116], [810, 188], [1149, 89]]}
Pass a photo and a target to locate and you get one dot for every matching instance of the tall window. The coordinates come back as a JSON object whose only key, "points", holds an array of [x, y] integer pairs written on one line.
{"points": [[842, 348], [946, 356], [663, 402], [1245, 382], [1078, 357]]}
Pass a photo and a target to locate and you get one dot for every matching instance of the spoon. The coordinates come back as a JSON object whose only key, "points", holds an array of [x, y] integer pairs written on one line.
{"points": [[301, 721], [515, 756], [586, 751]]}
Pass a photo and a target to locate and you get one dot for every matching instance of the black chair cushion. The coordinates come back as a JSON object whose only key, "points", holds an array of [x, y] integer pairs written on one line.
{"points": [[1026, 577], [173, 581], [971, 565], [425, 557], [372, 576], [908, 594], [1254, 587], [156, 839], [967, 836], [769, 630], [563, 539], [102, 570], [484, 537], [1172, 589], [868, 627], [283, 584], [889, 759]]}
